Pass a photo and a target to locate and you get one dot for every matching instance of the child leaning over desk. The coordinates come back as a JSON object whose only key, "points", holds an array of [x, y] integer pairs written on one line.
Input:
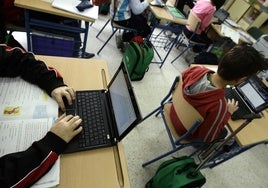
{"points": [[22, 169], [204, 90]]}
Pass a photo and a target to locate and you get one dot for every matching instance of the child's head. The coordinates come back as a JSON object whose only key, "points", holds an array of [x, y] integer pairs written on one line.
{"points": [[241, 61], [218, 3]]}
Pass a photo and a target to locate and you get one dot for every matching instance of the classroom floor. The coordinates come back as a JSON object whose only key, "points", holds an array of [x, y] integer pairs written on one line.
{"points": [[149, 138]]}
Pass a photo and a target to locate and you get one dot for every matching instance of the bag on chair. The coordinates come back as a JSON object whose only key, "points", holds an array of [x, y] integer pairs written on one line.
{"points": [[137, 58], [177, 173]]}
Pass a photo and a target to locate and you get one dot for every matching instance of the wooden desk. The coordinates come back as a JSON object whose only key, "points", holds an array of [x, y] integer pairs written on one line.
{"points": [[253, 133], [163, 14], [45, 7], [98, 168], [214, 32]]}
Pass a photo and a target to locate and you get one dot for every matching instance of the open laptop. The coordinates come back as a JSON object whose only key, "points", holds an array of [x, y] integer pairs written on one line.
{"points": [[107, 115], [158, 3], [252, 97], [221, 14]]}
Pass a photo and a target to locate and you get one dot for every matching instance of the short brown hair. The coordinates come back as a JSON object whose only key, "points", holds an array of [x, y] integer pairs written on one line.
{"points": [[241, 61]]}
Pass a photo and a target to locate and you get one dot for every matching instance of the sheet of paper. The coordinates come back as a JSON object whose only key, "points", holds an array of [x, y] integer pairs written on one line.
{"points": [[18, 135], [22, 100], [26, 115], [229, 32], [70, 6]]}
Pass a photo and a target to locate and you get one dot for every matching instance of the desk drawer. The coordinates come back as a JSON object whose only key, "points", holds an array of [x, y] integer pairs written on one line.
{"points": [[53, 44]]}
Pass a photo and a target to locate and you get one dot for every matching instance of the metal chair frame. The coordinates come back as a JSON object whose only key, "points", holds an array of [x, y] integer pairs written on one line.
{"points": [[176, 140]]}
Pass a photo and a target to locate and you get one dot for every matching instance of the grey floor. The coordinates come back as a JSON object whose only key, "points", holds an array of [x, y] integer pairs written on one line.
{"points": [[149, 139]]}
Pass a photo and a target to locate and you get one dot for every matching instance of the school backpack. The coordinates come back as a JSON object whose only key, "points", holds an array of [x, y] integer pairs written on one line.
{"points": [[177, 173], [137, 57]]}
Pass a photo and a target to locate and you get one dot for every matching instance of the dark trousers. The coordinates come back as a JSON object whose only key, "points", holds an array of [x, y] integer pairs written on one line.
{"points": [[182, 3], [202, 38], [138, 22]]}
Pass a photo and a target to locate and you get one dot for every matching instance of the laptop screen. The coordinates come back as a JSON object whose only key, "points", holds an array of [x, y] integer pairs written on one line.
{"points": [[221, 14], [255, 93], [124, 104]]}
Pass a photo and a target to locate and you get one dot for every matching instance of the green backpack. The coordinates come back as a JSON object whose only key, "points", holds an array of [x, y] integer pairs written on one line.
{"points": [[137, 58], [177, 173]]}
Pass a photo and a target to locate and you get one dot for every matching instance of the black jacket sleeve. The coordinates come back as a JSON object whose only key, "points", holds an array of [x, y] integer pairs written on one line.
{"points": [[22, 169], [15, 62]]}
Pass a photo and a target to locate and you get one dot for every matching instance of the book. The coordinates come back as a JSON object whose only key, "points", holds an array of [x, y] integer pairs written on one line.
{"points": [[175, 12], [27, 113]]}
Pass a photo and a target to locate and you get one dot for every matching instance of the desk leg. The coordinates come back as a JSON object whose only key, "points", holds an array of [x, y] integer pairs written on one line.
{"points": [[85, 39], [27, 27]]}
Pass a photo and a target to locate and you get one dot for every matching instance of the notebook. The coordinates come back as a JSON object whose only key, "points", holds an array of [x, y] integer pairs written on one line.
{"points": [[252, 97], [158, 3], [175, 12], [108, 115]]}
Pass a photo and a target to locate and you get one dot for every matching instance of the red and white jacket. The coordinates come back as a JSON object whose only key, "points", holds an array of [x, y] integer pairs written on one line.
{"points": [[210, 104]]}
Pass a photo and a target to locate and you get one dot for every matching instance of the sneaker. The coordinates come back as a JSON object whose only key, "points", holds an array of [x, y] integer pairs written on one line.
{"points": [[119, 41]]}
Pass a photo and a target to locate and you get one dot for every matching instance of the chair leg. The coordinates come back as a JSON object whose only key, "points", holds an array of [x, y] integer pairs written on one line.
{"points": [[181, 54], [172, 44], [161, 156], [102, 28], [107, 41], [151, 113]]}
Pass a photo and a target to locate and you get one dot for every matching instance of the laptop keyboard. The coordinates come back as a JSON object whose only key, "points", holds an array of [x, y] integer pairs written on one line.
{"points": [[242, 110], [94, 131]]}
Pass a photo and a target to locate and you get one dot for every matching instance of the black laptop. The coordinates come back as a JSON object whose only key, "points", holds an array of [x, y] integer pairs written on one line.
{"points": [[221, 14], [107, 115], [252, 97]]}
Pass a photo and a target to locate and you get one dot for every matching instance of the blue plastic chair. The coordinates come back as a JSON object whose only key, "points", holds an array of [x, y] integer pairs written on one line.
{"points": [[187, 114], [193, 22], [115, 28]]}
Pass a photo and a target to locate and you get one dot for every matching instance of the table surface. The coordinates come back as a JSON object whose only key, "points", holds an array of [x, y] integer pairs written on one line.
{"points": [[104, 167], [44, 6], [162, 13], [217, 29]]}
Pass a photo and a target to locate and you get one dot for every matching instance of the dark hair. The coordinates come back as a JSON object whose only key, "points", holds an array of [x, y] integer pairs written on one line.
{"points": [[218, 3], [241, 61]]}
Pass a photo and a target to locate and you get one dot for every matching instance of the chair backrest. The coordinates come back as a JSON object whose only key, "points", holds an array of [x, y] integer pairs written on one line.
{"points": [[187, 114], [193, 22]]}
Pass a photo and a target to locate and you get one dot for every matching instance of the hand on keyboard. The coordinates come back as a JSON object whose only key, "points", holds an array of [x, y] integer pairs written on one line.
{"points": [[69, 109], [232, 105]]}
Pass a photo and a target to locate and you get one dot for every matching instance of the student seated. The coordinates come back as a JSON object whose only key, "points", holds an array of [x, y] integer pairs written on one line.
{"points": [[204, 10], [22, 169], [129, 13], [204, 90]]}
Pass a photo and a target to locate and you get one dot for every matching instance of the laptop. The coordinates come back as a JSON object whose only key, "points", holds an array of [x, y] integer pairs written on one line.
{"points": [[222, 15], [108, 115], [158, 3], [252, 97]]}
